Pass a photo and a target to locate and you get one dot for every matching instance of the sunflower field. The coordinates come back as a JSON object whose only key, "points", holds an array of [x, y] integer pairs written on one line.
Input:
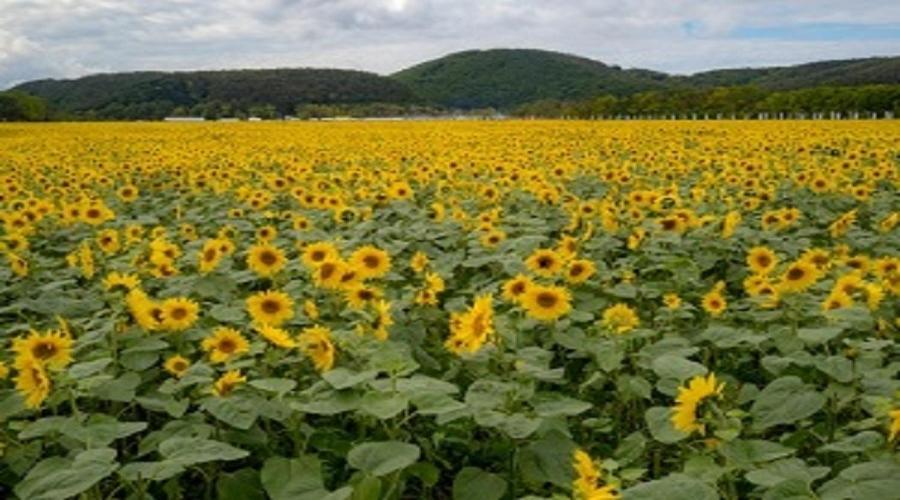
{"points": [[450, 310]]}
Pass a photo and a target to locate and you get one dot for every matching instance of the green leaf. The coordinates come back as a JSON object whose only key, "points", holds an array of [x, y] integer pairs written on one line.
{"points": [[88, 368], [342, 378], [866, 481], [548, 460], [293, 479], [864, 441], [677, 367], [100, 430], [57, 477], [784, 401], [821, 335], [672, 487], [235, 411], [659, 423], [367, 489], [121, 389], [384, 457], [276, 385], [242, 484], [190, 451], [784, 470], [746, 453], [473, 483], [551, 404], [383, 405]]}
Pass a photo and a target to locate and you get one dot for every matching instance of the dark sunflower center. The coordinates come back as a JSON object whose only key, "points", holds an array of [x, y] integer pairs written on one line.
{"points": [[796, 274], [547, 300], [271, 306], [317, 256], [93, 213], [179, 313], [763, 260], [327, 271], [268, 258], [545, 262], [371, 261], [44, 350], [227, 346], [209, 255]]}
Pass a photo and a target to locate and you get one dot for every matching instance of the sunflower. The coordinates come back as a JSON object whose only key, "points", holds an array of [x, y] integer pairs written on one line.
{"points": [[330, 274], [276, 336], [799, 276], [361, 295], [514, 289], [586, 486], [383, 319], [370, 262], [4, 371], [126, 282], [762, 260], [147, 313], [544, 262], [315, 342], [714, 301], [579, 270], [894, 428], [177, 365], [270, 307], [52, 349], [128, 193], [837, 300], [210, 256], [620, 319], [265, 259], [32, 381], [418, 262], [546, 303], [179, 313], [266, 234], [492, 238], [310, 309], [672, 301], [470, 330], [684, 413], [227, 383], [224, 344]]}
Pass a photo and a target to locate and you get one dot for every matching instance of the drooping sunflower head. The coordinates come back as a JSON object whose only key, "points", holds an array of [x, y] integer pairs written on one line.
{"points": [[620, 318], [224, 344], [32, 381], [52, 349], [227, 383]]}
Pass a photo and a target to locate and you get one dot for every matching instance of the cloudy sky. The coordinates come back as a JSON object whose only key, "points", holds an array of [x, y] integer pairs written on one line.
{"points": [[69, 38]]}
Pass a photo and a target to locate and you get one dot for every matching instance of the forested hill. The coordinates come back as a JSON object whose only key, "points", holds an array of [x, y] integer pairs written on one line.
{"points": [[157, 94], [504, 79]]}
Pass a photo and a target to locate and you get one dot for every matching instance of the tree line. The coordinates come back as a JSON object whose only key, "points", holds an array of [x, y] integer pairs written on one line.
{"points": [[746, 101]]}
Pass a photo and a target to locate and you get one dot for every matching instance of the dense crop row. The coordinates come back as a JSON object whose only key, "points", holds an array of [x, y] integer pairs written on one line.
{"points": [[450, 310]]}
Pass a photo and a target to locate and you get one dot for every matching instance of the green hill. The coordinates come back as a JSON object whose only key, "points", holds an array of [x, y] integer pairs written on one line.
{"points": [[157, 94], [503, 78], [506, 78]]}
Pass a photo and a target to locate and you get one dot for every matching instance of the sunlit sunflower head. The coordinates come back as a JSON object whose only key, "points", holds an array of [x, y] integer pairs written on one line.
{"points": [[225, 343], [265, 259], [684, 413], [620, 319], [762, 260], [714, 302], [546, 303], [128, 193], [270, 307], [315, 342], [227, 383], [492, 238], [276, 336], [266, 234], [52, 349], [317, 253], [514, 288], [419, 262], [177, 365], [361, 295], [330, 274], [544, 262], [580, 270], [799, 276], [179, 313], [370, 262], [32, 381], [672, 301], [121, 281]]}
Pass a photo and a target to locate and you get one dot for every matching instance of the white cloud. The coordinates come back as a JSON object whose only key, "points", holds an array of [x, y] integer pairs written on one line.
{"points": [[68, 38]]}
